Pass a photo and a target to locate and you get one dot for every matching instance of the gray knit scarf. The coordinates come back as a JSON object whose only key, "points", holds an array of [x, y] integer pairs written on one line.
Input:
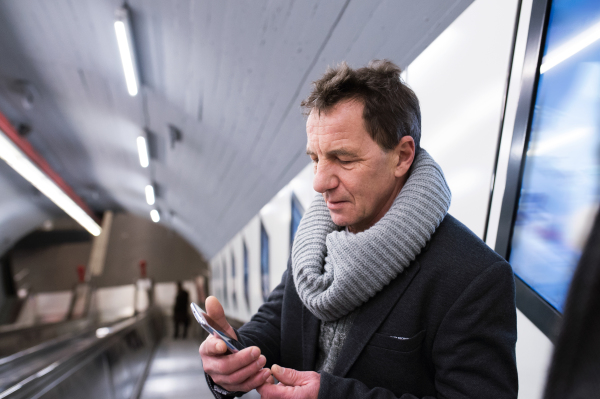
{"points": [[336, 271]]}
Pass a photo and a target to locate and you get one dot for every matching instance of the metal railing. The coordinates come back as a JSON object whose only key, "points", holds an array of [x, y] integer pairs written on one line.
{"points": [[106, 362]]}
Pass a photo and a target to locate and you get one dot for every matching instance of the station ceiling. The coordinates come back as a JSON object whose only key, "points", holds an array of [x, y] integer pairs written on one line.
{"points": [[227, 75]]}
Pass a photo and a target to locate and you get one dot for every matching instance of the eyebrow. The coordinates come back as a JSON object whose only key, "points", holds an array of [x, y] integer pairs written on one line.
{"points": [[342, 152]]}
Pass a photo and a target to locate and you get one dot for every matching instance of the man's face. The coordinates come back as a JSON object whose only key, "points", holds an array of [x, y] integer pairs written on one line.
{"points": [[358, 179]]}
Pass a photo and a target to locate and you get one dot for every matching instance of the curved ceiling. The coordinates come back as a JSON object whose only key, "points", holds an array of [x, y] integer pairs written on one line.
{"points": [[228, 75]]}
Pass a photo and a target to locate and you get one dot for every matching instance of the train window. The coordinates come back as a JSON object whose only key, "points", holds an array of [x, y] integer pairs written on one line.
{"points": [[233, 290], [297, 213], [214, 278], [246, 277], [554, 187], [224, 274], [264, 262]]}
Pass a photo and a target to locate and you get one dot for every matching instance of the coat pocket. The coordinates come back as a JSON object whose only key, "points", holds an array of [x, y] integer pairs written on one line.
{"points": [[395, 343]]}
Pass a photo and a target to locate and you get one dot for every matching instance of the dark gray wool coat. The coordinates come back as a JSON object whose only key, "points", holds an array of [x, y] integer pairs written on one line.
{"points": [[444, 328]]}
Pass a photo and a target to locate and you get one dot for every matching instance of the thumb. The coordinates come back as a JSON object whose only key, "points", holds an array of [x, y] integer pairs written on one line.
{"points": [[287, 376], [216, 316]]}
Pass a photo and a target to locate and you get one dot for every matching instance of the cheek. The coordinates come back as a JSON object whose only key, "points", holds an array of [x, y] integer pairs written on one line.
{"points": [[372, 185], [360, 184]]}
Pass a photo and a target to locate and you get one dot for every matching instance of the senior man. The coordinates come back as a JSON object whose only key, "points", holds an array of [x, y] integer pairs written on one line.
{"points": [[385, 295]]}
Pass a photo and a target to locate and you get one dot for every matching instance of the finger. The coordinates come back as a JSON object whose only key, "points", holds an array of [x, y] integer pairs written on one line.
{"points": [[269, 391], [229, 364], [213, 347], [251, 383], [217, 316], [287, 376], [240, 376]]}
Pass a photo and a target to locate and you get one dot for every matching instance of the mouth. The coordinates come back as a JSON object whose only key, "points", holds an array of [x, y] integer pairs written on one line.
{"points": [[335, 205]]}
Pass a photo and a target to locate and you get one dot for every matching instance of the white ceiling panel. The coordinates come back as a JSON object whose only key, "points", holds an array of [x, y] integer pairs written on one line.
{"points": [[229, 75]]}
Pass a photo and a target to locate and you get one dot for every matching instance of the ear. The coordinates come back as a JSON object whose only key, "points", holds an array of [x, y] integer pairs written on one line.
{"points": [[405, 155]]}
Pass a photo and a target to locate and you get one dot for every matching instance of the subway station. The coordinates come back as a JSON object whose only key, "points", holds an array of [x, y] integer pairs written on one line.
{"points": [[299, 199]]}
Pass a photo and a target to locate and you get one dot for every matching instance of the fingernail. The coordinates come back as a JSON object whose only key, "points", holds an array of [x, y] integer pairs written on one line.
{"points": [[255, 353], [222, 347], [276, 369], [266, 373], [261, 361]]}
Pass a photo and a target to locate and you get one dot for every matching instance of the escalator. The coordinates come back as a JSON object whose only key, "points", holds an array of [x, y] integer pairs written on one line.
{"points": [[106, 361]]}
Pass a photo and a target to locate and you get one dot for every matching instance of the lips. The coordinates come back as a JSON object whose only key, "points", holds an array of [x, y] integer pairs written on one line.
{"points": [[334, 205]]}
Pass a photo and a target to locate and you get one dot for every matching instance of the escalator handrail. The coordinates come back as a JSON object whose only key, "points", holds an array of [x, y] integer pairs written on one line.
{"points": [[116, 330], [58, 341], [44, 346]]}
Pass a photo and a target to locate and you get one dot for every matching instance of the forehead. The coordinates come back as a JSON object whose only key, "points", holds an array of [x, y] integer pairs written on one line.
{"points": [[343, 124]]}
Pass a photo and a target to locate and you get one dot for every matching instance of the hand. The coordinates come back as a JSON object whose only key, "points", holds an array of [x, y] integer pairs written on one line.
{"points": [[242, 371], [293, 384]]}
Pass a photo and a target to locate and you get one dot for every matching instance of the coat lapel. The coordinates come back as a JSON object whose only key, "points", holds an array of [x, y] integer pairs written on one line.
{"points": [[310, 337], [370, 317]]}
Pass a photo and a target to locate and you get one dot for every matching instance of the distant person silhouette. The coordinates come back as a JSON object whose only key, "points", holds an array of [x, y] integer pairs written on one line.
{"points": [[180, 311], [575, 368]]}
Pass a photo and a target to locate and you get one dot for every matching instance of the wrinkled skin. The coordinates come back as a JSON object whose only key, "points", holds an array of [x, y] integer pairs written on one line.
{"points": [[358, 179], [292, 384]]}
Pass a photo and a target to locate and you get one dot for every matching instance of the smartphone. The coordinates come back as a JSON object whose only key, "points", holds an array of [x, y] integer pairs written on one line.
{"points": [[213, 329]]}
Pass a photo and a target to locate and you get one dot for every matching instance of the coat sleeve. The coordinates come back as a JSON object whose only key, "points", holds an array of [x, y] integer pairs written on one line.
{"points": [[474, 348], [264, 331]]}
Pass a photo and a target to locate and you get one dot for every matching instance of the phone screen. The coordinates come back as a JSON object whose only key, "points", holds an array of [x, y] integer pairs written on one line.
{"points": [[212, 328]]}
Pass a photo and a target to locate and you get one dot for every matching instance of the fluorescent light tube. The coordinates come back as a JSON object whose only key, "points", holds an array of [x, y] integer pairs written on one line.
{"points": [[150, 194], [143, 151], [125, 42], [155, 216], [570, 48], [17, 160]]}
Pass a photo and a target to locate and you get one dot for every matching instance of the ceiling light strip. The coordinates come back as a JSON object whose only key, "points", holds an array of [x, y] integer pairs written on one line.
{"points": [[20, 156], [155, 215], [150, 194], [143, 151], [126, 50]]}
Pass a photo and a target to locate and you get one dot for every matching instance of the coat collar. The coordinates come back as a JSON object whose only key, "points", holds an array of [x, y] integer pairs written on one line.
{"points": [[370, 317]]}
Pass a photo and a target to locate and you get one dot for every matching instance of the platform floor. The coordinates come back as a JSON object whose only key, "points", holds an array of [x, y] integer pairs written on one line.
{"points": [[176, 373]]}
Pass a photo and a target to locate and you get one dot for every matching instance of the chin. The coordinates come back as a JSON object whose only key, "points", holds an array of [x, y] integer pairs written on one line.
{"points": [[340, 220]]}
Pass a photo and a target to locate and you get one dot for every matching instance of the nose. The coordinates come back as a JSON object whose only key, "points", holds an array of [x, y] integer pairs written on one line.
{"points": [[325, 178]]}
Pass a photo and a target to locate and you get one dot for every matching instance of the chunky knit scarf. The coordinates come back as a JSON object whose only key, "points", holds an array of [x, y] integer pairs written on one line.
{"points": [[336, 271]]}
